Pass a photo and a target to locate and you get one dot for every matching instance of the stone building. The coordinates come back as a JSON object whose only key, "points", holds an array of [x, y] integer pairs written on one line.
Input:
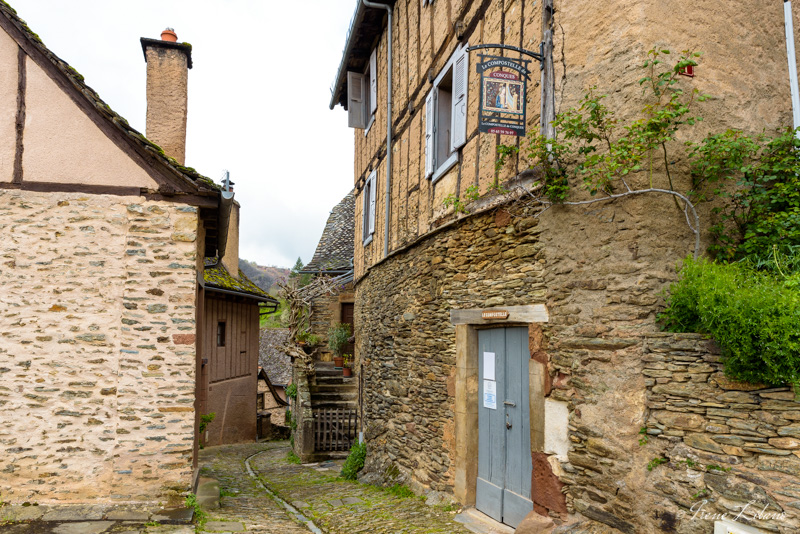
{"points": [[334, 257], [277, 370], [102, 282], [510, 356]]}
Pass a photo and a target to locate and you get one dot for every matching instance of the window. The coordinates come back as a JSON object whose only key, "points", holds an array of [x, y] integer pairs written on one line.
{"points": [[369, 208], [221, 334], [446, 115], [362, 95], [426, 2]]}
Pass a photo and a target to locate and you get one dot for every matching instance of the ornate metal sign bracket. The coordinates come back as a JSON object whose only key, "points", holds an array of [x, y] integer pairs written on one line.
{"points": [[538, 57]]}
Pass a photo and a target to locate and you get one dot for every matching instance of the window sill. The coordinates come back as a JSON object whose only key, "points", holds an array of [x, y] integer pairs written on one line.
{"points": [[368, 240], [444, 167], [369, 124]]}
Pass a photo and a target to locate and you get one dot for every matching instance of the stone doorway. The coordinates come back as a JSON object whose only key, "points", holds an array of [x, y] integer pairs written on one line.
{"points": [[468, 323]]}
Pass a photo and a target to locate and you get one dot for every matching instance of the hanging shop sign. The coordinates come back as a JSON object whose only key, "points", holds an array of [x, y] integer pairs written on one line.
{"points": [[503, 95]]}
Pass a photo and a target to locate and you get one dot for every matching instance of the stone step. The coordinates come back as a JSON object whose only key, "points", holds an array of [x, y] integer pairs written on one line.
{"points": [[324, 380], [328, 371], [346, 404], [334, 396], [327, 386]]}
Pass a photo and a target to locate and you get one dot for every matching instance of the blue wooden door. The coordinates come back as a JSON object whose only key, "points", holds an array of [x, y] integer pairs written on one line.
{"points": [[504, 439]]}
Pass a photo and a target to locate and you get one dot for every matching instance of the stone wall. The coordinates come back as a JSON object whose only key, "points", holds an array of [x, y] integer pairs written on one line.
{"points": [[97, 347], [748, 434], [407, 344], [605, 362]]}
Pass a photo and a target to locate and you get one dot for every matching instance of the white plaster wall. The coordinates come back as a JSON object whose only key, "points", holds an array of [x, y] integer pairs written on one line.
{"points": [[8, 105], [62, 144], [556, 428]]}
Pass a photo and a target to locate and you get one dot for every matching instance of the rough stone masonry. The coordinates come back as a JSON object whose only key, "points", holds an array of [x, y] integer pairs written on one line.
{"points": [[97, 354]]}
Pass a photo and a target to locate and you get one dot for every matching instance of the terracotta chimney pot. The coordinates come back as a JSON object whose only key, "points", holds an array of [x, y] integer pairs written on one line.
{"points": [[169, 35]]}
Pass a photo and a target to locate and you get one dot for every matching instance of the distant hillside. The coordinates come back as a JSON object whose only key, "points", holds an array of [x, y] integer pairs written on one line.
{"points": [[263, 277]]}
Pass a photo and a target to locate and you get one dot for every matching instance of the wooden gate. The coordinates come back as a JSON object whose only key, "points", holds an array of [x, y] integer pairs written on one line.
{"points": [[334, 429]]}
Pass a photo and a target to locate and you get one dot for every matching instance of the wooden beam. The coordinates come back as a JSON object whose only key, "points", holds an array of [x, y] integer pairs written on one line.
{"points": [[548, 112], [20, 121]]}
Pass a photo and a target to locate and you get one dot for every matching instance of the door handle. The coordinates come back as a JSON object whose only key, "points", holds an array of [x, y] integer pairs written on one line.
{"points": [[508, 423], [510, 403]]}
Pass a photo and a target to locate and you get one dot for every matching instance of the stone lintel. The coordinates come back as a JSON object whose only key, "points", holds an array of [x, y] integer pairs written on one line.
{"points": [[536, 313]]}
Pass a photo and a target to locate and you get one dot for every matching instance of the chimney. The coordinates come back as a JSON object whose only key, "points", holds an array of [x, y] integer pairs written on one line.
{"points": [[168, 64]]}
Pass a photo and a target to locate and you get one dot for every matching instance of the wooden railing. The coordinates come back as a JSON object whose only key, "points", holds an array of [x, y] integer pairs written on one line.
{"points": [[335, 429]]}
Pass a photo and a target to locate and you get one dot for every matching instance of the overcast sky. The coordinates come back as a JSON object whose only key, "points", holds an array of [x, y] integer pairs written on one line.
{"points": [[258, 98]]}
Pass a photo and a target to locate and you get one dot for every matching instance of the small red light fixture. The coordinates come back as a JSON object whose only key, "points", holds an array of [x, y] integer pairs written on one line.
{"points": [[687, 71]]}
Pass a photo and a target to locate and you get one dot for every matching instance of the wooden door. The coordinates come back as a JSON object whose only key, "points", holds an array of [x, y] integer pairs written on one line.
{"points": [[504, 439], [348, 313]]}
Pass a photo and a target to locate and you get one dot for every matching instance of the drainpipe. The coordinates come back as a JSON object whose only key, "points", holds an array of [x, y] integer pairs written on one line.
{"points": [[790, 53], [388, 125]]}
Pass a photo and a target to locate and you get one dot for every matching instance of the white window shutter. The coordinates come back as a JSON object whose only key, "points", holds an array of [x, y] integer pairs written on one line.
{"points": [[372, 188], [458, 117], [373, 81], [430, 113], [365, 211], [355, 100]]}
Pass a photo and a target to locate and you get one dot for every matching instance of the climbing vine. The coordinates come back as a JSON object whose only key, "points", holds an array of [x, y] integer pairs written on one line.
{"points": [[611, 161]]}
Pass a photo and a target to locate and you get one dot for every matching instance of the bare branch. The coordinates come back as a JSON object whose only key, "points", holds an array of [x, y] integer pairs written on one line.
{"points": [[299, 300]]}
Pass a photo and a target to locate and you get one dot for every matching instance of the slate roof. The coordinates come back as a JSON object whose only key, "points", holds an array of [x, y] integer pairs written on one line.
{"points": [[219, 277], [188, 174], [271, 359], [335, 248]]}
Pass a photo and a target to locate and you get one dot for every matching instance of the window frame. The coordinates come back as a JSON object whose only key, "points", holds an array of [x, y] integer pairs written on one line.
{"points": [[435, 169], [368, 212], [222, 333]]}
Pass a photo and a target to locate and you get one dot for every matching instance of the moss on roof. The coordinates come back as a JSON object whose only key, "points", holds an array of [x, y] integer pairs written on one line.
{"points": [[217, 276], [77, 80]]}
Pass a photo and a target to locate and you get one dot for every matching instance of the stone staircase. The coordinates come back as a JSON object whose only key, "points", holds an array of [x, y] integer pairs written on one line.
{"points": [[332, 390]]}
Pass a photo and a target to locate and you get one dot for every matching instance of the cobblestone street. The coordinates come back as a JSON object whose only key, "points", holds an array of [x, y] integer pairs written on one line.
{"points": [[314, 492], [244, 501], [338, 506]]}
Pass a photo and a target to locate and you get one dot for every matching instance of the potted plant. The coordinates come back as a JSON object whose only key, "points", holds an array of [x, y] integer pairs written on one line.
{"points": [[347, 366], [308, 341], [337, 339]]}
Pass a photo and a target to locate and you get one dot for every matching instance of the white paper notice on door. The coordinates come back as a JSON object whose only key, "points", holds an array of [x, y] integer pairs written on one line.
{"points": [[488, 366], [490, 394]]}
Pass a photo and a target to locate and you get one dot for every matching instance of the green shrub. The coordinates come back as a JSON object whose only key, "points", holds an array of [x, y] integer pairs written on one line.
{"points": [[763, 212], [338, 336], [753, 315], [205, 420], [292, 458], [291, 391], [355, 461]]}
